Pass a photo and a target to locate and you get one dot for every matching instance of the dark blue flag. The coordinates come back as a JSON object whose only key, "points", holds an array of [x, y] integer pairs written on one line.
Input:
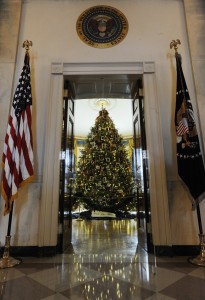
{"points": [[189, 157]]}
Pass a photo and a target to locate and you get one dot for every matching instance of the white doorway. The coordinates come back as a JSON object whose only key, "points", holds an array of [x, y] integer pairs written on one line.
{"points": [[158, 191]]}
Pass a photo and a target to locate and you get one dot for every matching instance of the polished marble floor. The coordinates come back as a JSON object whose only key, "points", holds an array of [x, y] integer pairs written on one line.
{"points": [[106, 264]]}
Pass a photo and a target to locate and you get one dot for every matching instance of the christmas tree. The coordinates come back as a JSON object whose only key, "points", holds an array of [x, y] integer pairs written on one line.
{"points": [[104, 178]]}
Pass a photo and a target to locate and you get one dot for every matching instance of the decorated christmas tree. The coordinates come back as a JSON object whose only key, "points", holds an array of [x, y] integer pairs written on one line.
{"points": [[104, 178]]}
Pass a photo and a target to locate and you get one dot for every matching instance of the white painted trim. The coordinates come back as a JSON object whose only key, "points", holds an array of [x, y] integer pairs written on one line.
{"points": [[48, 227], [161, 228], [102, 68], [50, 187]]}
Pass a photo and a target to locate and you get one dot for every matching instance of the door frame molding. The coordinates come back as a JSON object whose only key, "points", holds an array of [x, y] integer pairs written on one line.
{"points": [[48, 227]]}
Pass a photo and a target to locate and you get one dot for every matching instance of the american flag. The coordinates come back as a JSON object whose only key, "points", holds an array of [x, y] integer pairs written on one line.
{"points": [[17, 159], [189, 156], [182, 127]]}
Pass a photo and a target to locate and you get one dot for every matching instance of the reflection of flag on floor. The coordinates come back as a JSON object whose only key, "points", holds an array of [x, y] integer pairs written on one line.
{"points": [[189, 157], [17, 157]]}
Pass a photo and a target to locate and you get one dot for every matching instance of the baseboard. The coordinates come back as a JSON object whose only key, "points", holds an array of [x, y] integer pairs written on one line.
{"points": [[177, 250], [34, 251]]}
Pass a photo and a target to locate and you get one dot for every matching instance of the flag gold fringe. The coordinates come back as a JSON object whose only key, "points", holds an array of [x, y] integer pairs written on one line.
{"points": [[8, 202]]}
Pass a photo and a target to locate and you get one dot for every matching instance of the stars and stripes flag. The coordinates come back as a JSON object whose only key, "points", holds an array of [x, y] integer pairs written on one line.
{"points": [[17, 159], [189, 156]]}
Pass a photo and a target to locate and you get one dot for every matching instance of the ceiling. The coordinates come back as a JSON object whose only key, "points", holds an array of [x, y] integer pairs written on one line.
{"points": [[116, 89]]}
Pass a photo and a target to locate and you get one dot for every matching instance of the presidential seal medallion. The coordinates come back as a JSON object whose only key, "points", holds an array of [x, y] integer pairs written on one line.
{"points": [[102, 26]]}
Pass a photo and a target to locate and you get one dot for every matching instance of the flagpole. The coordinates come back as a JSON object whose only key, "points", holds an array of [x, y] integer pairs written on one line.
{"points": [[200, 259], [199, 219], [7, 261], [10, 220]]}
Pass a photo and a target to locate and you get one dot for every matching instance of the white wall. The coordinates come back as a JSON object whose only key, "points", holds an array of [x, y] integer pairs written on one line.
{"points": [[51, 25]]}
